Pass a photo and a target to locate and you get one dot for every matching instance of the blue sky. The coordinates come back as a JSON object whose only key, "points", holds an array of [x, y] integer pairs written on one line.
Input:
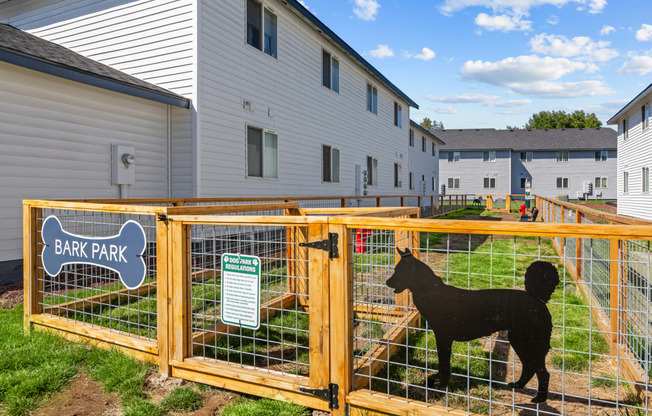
{"points": [[493, 63]]}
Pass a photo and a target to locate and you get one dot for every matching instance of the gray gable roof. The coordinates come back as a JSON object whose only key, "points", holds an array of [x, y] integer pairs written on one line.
{"points": [[23, 49], [524, 140]]}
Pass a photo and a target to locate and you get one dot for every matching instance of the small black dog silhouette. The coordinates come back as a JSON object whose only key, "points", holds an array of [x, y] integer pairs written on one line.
{"points": [[463, 315]]}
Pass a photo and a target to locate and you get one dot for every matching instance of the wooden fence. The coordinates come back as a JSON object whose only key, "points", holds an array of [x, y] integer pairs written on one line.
{"points": [[332, 334]]}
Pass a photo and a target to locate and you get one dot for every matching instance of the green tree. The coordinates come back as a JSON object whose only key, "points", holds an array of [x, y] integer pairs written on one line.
{"points": [[562, 120], [432, 124]]}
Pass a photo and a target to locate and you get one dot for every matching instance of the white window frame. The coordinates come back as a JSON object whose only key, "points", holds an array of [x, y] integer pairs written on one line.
{"points": [[625, 129], [372, 98], [264, 133], [565, 182], [335, 164], [333, 75], [601, 156], [489, 182], [489, 156], [454, 158], [625, 182], [563, 156], [434, 152], [600, 182], [424, 144], [645, 116], [372, 171], [645, 180], [411, 181], [434, 185], [398, 173], [411, 138], [454, 182], [262, 24], [398, 115]]}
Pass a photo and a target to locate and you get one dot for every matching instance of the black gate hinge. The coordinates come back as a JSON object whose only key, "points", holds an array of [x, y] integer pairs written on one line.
{"points": [[162, 217], [329, 245], [329, 394]]}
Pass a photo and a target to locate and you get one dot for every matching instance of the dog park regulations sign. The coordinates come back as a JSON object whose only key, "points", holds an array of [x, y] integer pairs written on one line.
{"points": [[240, 295], [122, 253]]}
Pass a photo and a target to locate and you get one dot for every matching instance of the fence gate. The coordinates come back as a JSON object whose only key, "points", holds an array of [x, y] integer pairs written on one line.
{"points": [[215, 338]]}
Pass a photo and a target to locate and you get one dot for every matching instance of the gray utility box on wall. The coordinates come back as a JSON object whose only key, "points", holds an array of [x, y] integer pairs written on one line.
{"points": [[123, 165]]}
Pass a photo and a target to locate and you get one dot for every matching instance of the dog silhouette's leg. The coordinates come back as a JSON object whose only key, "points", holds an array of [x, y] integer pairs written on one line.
{"points": [[524, 352], [444, 346], [543, 377]]}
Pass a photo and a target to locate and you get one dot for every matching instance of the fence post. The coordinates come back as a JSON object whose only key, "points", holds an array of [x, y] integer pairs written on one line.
{"points": [[578, 249], [319, 313], [457, 202], [341, 317], [163, 276], [378, 202], [614, 292], [508, 203], [29, 265], [343, 204], [562, 240], [180, 304], [450, 203], [432, 205], [402, 201], [490, 202]]}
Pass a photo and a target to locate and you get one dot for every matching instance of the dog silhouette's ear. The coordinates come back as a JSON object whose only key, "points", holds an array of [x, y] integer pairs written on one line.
{"points": [[407, 251], [399, 251]]}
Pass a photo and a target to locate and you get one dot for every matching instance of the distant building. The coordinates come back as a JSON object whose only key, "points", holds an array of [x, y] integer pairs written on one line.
{"points": [[580, 163], [423, 158], [635, 156]]}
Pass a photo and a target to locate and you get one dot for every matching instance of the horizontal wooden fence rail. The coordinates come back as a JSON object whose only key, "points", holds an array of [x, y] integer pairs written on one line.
{"points": [[332, 335]]}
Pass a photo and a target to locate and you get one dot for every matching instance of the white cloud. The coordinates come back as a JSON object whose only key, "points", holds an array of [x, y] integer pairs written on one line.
{"points": [[446, 110], [382, 51], [462, 98], [553, 20], [366, 9], [511, 103], [606, 29], [637, 64], [303, 3], [526, 68], [451, 6], [582, 47], [503, 22], [547, 89], [644, 33], [426, 54]]}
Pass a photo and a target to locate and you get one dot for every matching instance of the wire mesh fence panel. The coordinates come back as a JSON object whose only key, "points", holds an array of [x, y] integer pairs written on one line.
{"points": [[399, 343], [93, 295], [595, 269], [281, 343]]}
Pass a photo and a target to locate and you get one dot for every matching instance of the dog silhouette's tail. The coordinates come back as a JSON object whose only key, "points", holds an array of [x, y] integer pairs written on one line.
{"points": [[541, 279]]}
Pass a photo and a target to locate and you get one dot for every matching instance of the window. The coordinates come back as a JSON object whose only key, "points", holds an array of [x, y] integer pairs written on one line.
{"points": [[489, 156], [434, 185], [601, 156], [411, 180], [372, 99], [453, 156], [645, 179], [398, 183], [433, 149], [398, 115], [625, 129], [412, 138], [423, 144], [372, 171], [625, 182], [562, 156], [262, 153], [562, 182], [526, 156], [526, 183], [600, 182], [489, 183], [330, 72], [330, 164], [261, 28], [453, 183], [645, 116]]}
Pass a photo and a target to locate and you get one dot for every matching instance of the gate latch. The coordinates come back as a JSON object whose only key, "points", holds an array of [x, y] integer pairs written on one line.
{"points": [[329, 394], [329, 245]]}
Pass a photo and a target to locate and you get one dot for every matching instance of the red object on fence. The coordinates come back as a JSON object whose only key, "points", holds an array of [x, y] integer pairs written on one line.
{"points": [[523, 208], [361, 240]]}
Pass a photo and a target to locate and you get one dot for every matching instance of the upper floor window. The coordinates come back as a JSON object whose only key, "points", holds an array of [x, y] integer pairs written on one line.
{"points": [[625, 182], [562, 156], [453, 156], [423, 144], [372, 171], [526, 183], [526, 156], [601, 156], [398, 183], [645, 179], [411, 180], [330, 164], [398, 115], [600, 182], [372, 99], [489, 156], [262, 153], [434, 185], [330, 72], [625, 129], [489, 183], [411, 137], [261, 28], [645, 116], [433, 149], [562, 182]]}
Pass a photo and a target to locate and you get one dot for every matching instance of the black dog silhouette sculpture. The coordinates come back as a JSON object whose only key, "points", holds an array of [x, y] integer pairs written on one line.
{"points": [[463, 315]]}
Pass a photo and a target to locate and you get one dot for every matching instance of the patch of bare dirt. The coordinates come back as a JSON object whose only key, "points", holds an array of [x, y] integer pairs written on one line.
{"points": [[83, 397], [605, 207], [11, 295]]}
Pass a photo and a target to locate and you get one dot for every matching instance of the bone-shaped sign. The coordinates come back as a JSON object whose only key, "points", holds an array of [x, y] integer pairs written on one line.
{"points": [[122, 253]]}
